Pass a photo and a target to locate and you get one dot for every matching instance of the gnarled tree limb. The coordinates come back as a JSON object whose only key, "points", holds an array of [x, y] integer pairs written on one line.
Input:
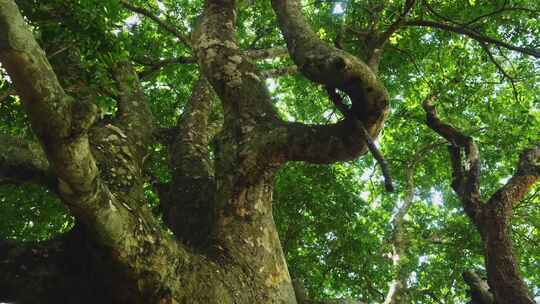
{"points": [[332, 67], [492, 219]]}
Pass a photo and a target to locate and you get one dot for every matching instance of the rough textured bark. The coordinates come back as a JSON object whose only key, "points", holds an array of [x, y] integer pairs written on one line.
{"points": [[492, 218], [190, 200]]}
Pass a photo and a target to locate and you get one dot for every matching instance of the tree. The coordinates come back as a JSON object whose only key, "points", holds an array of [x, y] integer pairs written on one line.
{"points": [[101, 96]]}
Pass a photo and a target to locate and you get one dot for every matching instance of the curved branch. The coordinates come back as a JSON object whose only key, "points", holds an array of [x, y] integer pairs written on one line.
{"points": [[463, 30], [465, 180], [322, 144], [332, 67]]}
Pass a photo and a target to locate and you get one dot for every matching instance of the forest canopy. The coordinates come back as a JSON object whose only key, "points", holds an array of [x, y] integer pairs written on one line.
{"points": [[153, 135]]}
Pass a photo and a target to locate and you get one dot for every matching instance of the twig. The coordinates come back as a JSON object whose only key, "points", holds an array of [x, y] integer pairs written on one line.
{"points": [[165, 25], [338, 102]]}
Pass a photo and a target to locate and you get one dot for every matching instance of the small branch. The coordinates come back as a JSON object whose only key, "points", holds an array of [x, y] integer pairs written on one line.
{"points": [[162, 23], [409, 4], [499, 11], [284, 71], [158, 65], [380, 160], [463, 30], [500, 69], [267, 53]]}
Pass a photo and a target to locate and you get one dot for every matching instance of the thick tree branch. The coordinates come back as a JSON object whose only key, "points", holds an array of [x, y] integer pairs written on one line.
{"points": [[234, 78], [134, 115], [58, 121], [527, 173], [162, 23], [245, 157], [189, 210], [22, 161], [464, 30]]}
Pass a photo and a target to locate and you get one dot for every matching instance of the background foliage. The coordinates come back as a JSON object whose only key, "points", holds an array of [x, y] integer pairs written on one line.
{"points": [[334, 221]]}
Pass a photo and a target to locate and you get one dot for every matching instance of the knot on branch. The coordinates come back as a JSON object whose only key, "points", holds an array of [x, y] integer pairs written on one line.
{"points": [[83, 115]]}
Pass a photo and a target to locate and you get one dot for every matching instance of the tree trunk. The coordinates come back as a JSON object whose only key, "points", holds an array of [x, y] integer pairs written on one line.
{"points": [[503, 274], [224, 247]]}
